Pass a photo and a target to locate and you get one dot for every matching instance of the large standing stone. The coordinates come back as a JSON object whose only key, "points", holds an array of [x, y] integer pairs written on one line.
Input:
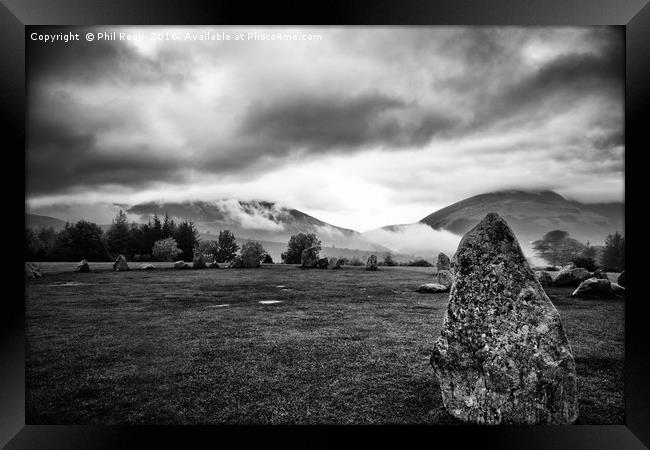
{"points": [[120, 264], [503, 356], [570, 275], [198, 262], [371, 263], [598, 288], [309, 257], [32, 271], [83, 267], [443, 262]]}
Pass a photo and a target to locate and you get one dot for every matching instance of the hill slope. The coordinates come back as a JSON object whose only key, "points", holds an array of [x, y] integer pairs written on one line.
{"points": [[531, 214], [36, 221], [264, 221]]}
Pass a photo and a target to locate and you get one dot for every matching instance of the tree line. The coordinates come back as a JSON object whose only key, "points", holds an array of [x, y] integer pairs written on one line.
{"points": [[86, 240], [558, 249], [156, 240]]}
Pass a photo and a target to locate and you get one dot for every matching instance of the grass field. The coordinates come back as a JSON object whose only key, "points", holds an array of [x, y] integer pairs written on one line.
{"points": [[346, 346]]}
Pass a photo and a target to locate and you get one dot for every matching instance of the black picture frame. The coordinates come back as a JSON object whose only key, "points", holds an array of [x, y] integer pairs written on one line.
{"points": [[634, 15]]}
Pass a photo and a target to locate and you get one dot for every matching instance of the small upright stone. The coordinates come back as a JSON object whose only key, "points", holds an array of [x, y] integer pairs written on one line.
{"points": [[322, 263], [181, 265], [431, 288], [83, 267], [503, 356], [120, 264], [371, 264], [443, 262], [309, 257], [570, 275]]}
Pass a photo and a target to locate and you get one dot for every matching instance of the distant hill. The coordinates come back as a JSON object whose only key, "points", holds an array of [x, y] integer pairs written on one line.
{"points": [[531, 214], [36, 221], [260, 220]]}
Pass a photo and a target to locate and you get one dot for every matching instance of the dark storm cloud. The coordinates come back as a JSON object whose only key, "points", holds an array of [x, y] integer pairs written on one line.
{"points": [[61, 158], [99, 61], [320, 122], [555, 86], [447, 86]]}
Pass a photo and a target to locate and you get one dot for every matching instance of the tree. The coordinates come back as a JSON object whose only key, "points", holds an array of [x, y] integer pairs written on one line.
{"points": [[252, 254], [558, 248], [613, 257], [32, 246], [297, 243], [208, 249], [226, 247], [267, 259], [166, 249], [187, 238], [85, 241], [388, 260], [168, 227], [585, 262], [156, 229], [356, 261], [118, 236]]}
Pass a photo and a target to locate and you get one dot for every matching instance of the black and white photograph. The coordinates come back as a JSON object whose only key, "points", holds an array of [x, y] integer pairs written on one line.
{"points": [[325, 225]]}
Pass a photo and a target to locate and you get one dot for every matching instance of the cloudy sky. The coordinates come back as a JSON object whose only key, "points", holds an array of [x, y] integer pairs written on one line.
{"points": [[362, 128]]}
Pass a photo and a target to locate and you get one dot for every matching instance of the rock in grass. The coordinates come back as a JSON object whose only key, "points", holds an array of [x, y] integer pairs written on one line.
{"points": [[598, 288], [598, 273], [213, 265], [181, 265], [621, 279], [570, 275], [147, 267], [443, 262], [83, 267], [503, 356], [432, 288], [371, 263], [544, 278], [32, 271], [334, 263], [309, 258], [120, 264], [198, 262]]}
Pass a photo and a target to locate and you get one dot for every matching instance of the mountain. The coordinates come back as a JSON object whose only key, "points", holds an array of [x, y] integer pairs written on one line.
{"points": [[533, 213], [36, 221], [259, 220]]}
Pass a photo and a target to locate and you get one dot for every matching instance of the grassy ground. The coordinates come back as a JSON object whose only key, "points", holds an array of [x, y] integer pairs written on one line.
{"points": [[346, 346]]}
